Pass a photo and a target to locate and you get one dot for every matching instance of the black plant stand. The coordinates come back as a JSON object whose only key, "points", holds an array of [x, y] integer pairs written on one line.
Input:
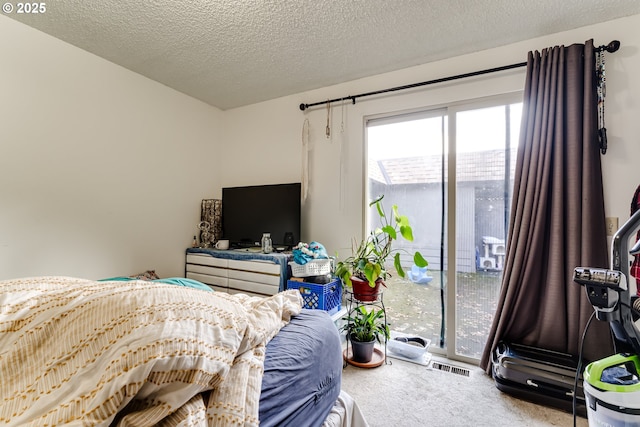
{"points": [[353, 303]]}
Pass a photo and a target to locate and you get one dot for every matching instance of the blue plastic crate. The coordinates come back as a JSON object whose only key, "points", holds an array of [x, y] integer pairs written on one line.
{"points": [[326, 296]]}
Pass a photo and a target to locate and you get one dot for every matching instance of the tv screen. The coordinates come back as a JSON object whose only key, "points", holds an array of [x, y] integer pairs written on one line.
{"points": [[248, 212]]}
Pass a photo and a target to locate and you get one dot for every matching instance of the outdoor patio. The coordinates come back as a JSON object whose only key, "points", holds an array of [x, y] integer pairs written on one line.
{"points": [[416, 309]]}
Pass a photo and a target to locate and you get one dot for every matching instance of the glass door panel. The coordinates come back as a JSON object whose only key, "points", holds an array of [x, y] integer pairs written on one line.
{"points": [[486, 142], [406, 156], [408, 161]]}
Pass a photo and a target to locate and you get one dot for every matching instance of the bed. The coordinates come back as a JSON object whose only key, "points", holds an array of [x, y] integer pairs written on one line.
{"points": [[302, 372], [134, 353]]}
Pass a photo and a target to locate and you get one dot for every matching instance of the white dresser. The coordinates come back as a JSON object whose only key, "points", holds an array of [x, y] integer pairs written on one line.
{"points": [[237, 271]]}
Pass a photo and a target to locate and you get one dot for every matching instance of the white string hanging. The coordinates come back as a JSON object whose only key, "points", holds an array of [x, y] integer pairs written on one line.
{"points": [[343, 156], [342, 118], [328, 128], [305, 159]]}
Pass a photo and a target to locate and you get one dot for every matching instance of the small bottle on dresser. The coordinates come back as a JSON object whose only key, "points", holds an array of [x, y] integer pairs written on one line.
{"points": [[267, 246]]}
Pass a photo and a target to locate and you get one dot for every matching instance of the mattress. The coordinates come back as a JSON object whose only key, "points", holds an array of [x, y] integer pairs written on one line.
{"points": [[302, 372]]}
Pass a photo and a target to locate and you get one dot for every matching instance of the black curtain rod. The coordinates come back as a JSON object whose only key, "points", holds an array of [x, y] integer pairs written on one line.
{"points": [[611, 47]]}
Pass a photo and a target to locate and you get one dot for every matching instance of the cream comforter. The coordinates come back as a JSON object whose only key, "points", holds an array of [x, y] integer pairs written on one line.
{"points": [[79, 352]]}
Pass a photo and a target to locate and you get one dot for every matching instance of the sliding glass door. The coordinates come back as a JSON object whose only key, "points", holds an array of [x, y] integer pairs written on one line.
{"points": [[406, 158], [451, 171]]}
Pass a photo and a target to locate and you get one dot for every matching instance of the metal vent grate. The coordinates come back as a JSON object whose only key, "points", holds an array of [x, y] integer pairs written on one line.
{"points": [[450, 368]]}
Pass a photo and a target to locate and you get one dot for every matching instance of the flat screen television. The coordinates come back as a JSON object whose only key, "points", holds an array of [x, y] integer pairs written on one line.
{"points": [[248, 212]]}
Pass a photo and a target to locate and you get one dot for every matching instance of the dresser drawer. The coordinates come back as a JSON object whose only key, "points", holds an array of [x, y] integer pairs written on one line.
{"points": [[237, 271], [217, 283], [264, 267], [203, 259], [250, 276], [236, 286], [205, 269]]}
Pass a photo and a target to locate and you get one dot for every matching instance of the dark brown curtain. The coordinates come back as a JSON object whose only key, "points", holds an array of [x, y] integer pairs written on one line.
{"points": [[557, 219]]}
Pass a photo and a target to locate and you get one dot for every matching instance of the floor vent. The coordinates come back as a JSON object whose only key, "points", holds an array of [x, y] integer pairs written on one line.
{"points": [[450, 368]]}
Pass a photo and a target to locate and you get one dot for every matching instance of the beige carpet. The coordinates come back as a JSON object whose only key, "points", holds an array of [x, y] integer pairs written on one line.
{"points": [[406, 394]]}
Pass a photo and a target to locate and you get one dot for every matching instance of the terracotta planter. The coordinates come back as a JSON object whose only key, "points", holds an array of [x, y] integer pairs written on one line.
{"points": [[362, 351], [363, 292]]}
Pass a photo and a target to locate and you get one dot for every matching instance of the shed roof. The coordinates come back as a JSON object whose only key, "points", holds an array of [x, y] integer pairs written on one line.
{"points": [[487, 165]]}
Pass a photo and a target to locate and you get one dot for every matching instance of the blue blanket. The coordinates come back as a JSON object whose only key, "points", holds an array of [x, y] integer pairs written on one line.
{"points": [[179, 281], [302, 372]]}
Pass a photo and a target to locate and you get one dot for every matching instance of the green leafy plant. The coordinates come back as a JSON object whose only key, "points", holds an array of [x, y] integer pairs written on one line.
{"points": [[370, 255], [366, 325]]}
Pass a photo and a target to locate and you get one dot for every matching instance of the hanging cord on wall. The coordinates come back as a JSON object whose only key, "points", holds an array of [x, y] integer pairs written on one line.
{"points": [[305, 159], [574, 398], [342, 118], [328, 128], [601, 93], [343, 166]]}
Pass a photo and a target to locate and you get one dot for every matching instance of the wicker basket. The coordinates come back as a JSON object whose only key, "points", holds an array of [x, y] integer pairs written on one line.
{"points": [[316, 267]]}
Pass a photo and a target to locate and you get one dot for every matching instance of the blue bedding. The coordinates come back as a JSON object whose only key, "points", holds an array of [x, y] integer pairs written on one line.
{"points": [[302, 372], [178, 281]]}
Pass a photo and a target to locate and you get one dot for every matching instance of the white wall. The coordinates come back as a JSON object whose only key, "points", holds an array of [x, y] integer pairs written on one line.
{"points": [[101, 170], [333, 212]]}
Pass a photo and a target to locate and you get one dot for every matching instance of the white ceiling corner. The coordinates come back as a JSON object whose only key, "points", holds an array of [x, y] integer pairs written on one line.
{"points": [[230, 53]]}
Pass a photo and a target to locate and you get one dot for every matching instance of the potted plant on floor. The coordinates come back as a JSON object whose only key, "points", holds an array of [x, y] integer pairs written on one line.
{"points": [[365, 270], [365, 327]]}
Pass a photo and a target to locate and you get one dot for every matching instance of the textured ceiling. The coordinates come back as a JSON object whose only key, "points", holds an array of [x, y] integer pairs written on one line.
{"points": [[230, 53]]}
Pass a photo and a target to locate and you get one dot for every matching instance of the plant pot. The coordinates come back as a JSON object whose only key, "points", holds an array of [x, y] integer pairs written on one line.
{"points": [[362, 351], [363, 292]]}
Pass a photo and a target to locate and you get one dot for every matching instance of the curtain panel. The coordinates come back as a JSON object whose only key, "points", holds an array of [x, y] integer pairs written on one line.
{"points": [[557, 219]]}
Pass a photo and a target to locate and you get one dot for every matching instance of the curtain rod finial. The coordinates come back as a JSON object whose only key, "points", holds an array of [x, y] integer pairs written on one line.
{"points": [[303, 107], [613, 46]]}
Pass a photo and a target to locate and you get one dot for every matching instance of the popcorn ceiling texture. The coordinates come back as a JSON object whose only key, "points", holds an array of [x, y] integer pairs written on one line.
{"points": [[230, 53]]}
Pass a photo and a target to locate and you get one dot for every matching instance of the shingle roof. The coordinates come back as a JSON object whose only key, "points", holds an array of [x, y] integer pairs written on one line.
{"points": [[473, 166]]}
